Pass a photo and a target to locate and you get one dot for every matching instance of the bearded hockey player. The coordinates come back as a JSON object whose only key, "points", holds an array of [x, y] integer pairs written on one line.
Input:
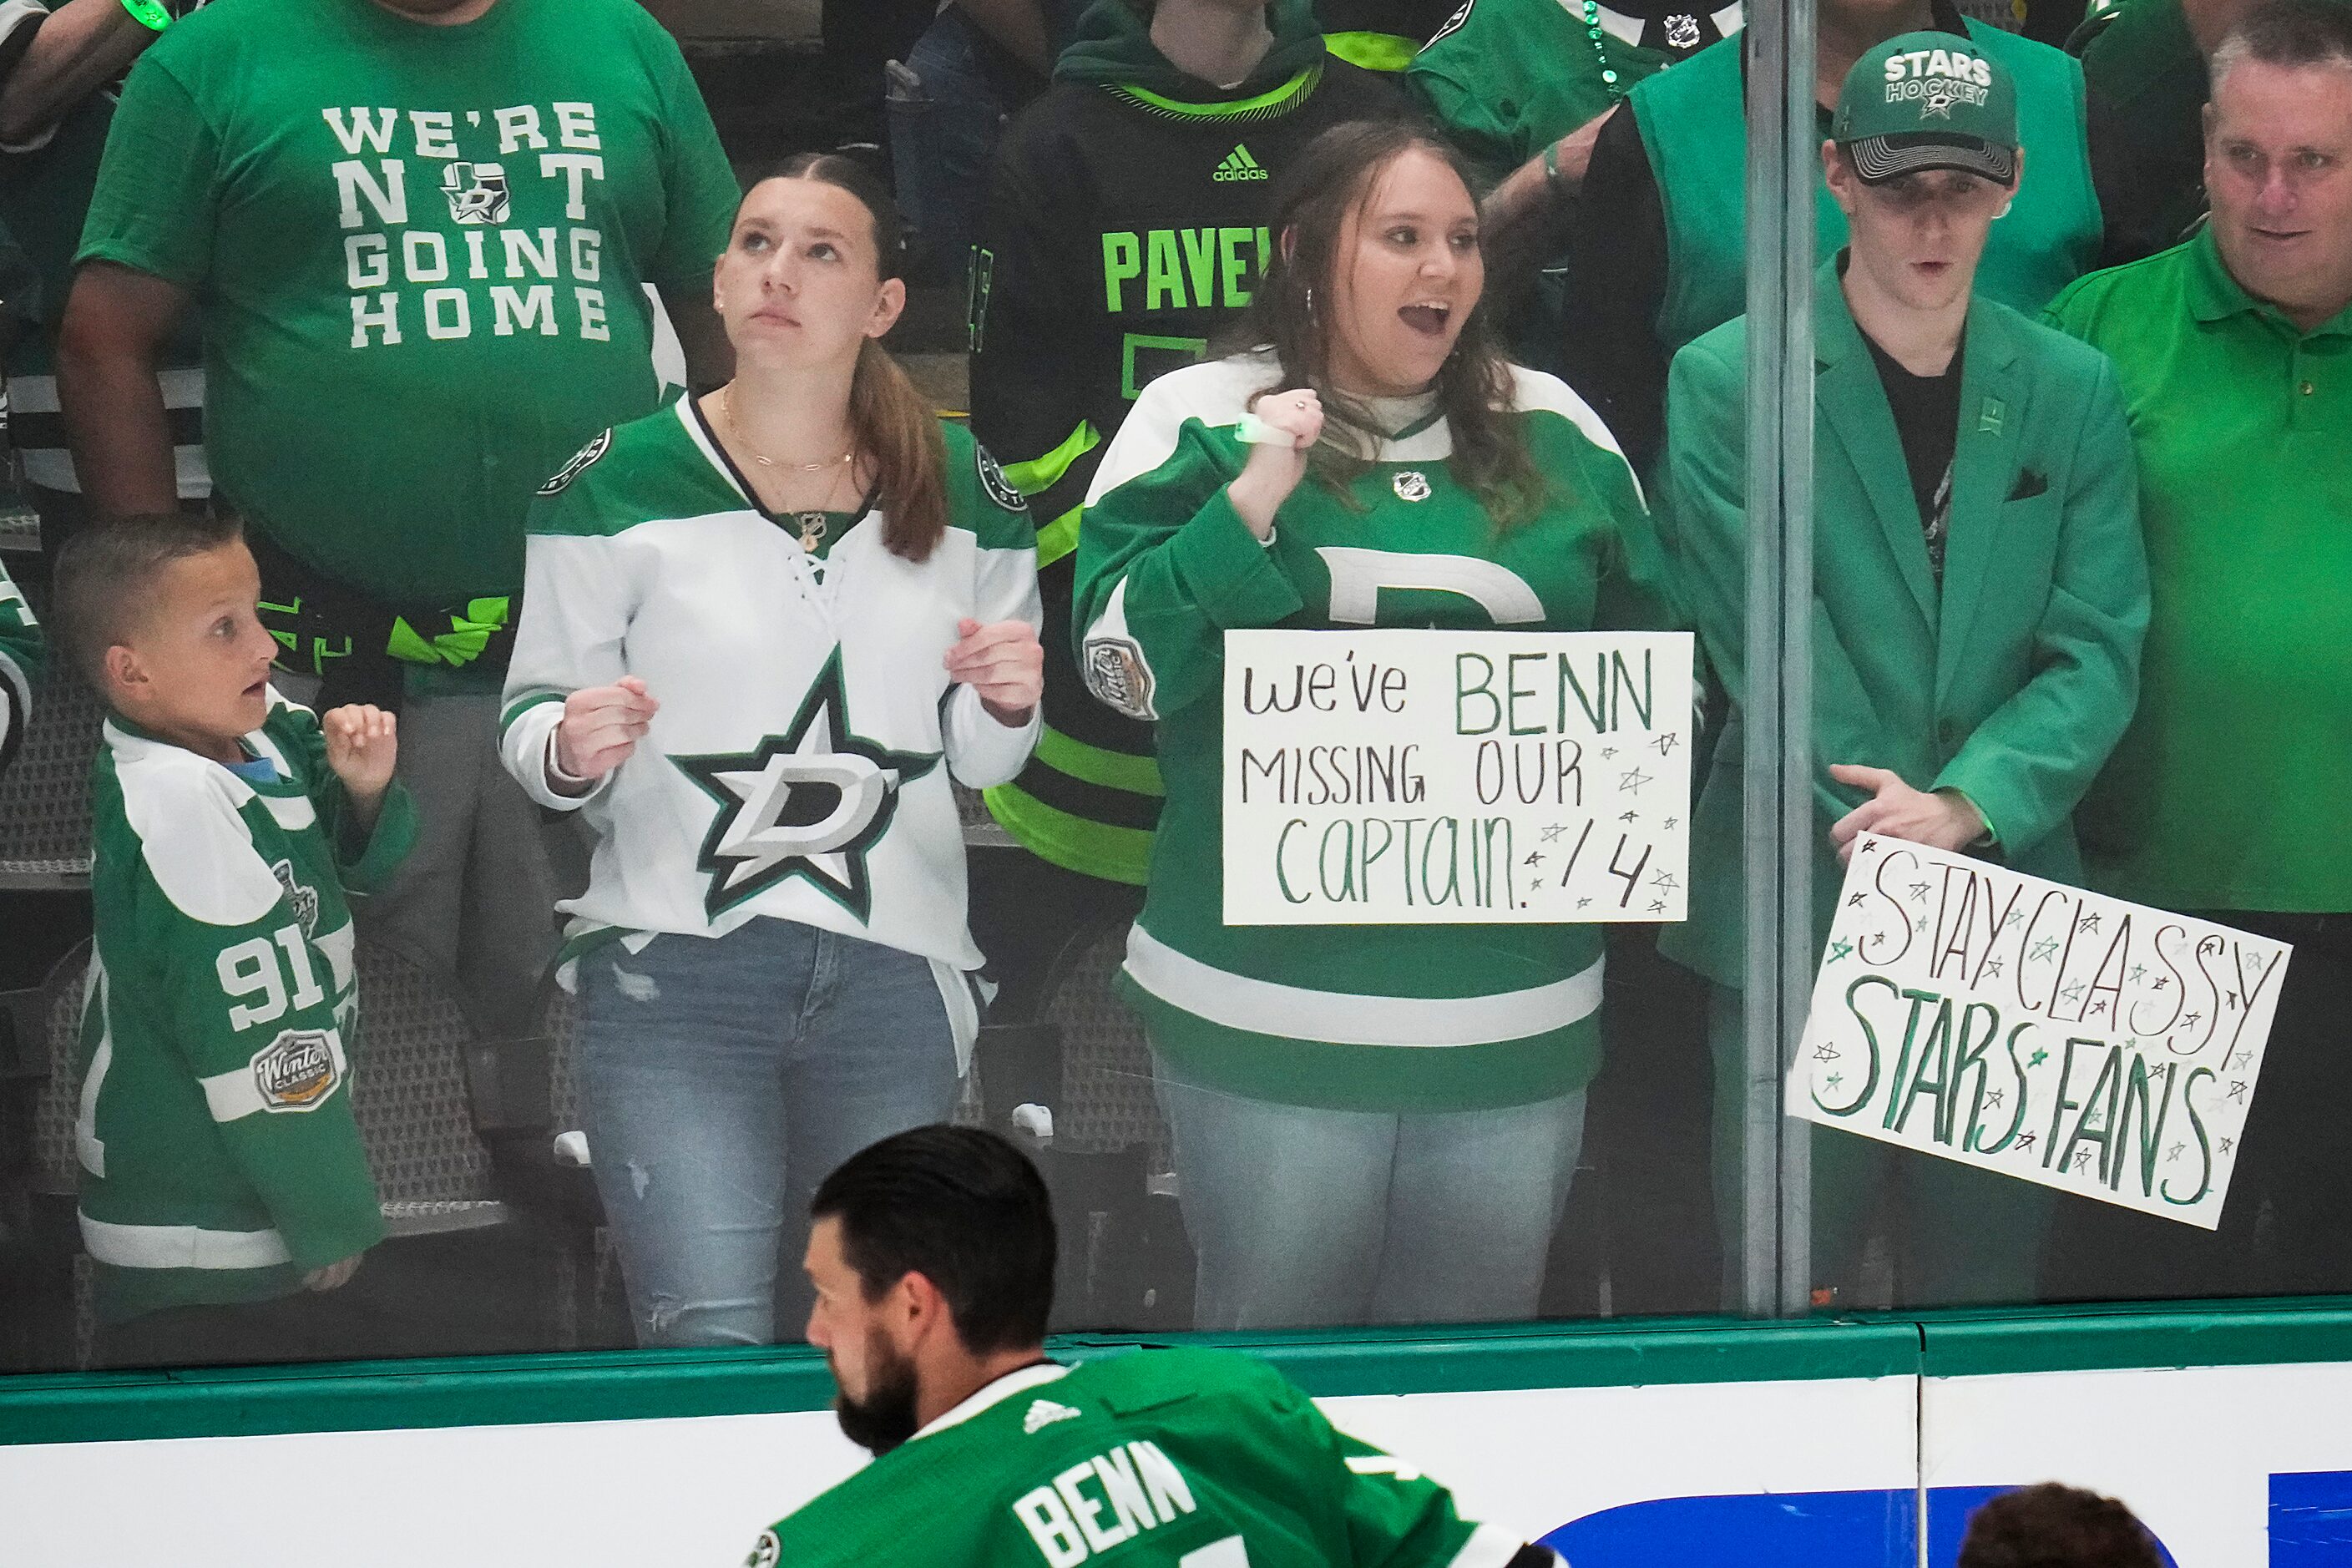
{"points": [[933, 1261]]}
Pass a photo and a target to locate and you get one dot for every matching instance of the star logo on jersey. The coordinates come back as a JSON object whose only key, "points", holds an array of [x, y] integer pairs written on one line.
{"points": [[1043, 1413], [477, 193], [810, 804]]}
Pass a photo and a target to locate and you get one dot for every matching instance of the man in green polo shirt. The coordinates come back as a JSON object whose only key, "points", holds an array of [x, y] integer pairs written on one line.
{"points": [[420, 231], [2226, 794], [2147, 77]]}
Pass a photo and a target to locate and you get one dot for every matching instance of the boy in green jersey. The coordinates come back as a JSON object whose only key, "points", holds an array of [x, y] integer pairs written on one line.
{"points": [[933, 1257], [222, 1173]]}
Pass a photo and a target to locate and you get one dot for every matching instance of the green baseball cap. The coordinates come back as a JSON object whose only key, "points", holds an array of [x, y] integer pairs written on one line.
{"points": [[1928, 100]]}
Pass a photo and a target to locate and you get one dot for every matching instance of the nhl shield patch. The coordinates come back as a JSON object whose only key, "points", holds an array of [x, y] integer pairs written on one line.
{"points": [[297, 1070], [766, 1553]]}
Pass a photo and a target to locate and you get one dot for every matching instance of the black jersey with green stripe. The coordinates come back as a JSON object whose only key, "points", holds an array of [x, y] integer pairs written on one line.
{"points": [[1124, 229]]}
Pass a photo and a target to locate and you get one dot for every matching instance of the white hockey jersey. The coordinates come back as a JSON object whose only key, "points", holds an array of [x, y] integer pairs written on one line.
{"points": [[798, 766]]}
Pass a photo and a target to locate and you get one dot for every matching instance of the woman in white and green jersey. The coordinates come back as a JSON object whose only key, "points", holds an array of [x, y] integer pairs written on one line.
{"points": [[1371, 1122], [762, 629]]}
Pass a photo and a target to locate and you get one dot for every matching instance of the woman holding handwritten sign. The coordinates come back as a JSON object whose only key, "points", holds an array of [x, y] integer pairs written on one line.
{"points": [[1371, 1122]]}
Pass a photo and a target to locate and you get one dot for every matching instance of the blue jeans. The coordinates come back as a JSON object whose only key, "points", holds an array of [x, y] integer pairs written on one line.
{"points": [[722, 1080], [1303, 1216]]}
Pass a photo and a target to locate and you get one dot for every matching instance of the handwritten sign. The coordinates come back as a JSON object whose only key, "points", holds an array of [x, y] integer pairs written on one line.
{"points": [[2101, 1048], [1433, 777]]}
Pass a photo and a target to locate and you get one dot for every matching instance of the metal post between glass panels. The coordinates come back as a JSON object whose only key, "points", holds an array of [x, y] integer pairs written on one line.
{"points": [[1775, 1265]]}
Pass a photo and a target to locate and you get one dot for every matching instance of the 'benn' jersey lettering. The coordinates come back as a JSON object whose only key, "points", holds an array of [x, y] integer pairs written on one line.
{"points": [[1139, 1486], [1162, 1458]]}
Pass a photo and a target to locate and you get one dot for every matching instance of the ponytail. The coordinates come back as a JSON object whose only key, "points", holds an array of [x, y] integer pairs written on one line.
{"points": [[896, 425]]}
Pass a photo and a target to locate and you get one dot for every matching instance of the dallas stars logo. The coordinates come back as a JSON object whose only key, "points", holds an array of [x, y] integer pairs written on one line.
{"points": [[1938, 104], [810, 804]]}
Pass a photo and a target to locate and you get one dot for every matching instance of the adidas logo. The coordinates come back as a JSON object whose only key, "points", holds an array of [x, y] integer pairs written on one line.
{"points": [[1043, 1413], [1240, 165]]}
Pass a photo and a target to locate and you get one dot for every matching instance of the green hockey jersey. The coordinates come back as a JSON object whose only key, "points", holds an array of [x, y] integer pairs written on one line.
{"points": [[219, 1159], [1342, 1016], [20, 665], [1185, 1458], [1507, 78]]}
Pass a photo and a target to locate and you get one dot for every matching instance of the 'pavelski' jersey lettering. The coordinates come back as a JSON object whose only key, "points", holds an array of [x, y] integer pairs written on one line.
{"points": [[1123, 233]]}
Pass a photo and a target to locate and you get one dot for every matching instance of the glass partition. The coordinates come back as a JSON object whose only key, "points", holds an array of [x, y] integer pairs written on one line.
{"points": [[1647, 705]]}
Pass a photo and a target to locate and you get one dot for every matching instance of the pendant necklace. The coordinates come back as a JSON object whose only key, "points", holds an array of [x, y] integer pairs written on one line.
{"points": [[813, 524]]}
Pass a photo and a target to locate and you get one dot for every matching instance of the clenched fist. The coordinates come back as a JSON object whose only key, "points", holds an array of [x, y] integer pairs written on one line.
{"points": [[1274, 467], [600, 726], [1004, 663], [363, 744]]}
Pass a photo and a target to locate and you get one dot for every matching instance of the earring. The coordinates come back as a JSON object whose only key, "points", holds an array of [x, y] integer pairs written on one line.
{"points": [[1310, 299]]}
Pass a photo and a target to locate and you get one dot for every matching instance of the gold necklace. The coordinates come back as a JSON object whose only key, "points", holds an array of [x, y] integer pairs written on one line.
{"points": [[726, 412]]}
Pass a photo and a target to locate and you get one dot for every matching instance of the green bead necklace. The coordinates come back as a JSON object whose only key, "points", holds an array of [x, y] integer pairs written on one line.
{"points": [[1600, 50]]}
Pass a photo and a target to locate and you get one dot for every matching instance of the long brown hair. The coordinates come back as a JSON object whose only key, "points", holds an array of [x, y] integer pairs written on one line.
{"points": [[1322, 190], [891, 422]]}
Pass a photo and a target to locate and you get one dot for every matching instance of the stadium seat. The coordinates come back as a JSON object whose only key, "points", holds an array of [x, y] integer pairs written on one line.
{"points": [[981, 831], [44, 793], [1125, 1260], [410, 1096]]}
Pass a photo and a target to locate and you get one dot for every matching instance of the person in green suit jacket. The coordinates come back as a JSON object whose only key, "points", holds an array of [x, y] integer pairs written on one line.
{"points": [[1979, 595]]}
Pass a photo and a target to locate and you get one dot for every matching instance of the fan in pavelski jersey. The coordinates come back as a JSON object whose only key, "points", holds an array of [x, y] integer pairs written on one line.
{"points": [[1371, 1122], [932, 1255]]}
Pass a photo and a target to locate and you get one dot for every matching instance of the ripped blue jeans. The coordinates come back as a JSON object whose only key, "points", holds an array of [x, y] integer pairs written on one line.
{"points": [[723, 1077]]}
